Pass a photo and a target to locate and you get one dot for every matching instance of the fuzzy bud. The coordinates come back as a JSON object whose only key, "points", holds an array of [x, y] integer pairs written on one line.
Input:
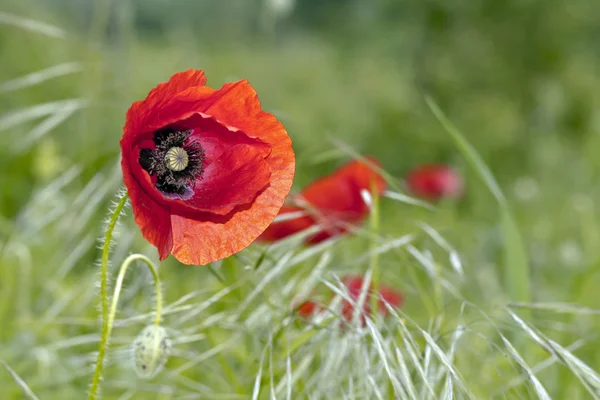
{"points": [[151, 350]]}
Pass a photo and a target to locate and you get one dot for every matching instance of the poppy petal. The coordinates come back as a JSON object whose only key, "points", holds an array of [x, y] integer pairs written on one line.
{"points": [[237, 105], [307, 309], [178, 83], [141, 113], [154, 221], [334, 202], [279, 230], [435, 182], [234, 178], [215, 137], [390, 296], [200, 241], [341, 191], [387, 295]]}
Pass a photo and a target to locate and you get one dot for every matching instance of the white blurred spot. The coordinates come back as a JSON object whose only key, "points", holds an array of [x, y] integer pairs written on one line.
{"points": [[281, 8], [570, 253], [289, 216], [40, 76], [526, 188], [31, 25], [582, 202], [456, 263], [407, 199], [367, 198]]}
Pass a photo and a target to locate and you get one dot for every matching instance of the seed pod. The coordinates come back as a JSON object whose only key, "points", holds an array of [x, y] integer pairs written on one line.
{"points": [[151, 350]]}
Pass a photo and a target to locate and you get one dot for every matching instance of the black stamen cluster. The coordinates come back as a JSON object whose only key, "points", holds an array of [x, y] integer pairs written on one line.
{"points": [[153, 161]]}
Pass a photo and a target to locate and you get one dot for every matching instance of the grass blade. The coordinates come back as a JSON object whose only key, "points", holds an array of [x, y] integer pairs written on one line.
{"points": [[31, 25], [38, 77], [516, 266], [20, 382]]}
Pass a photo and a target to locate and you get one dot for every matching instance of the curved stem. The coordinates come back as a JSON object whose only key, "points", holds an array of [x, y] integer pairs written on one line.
{"points": [[115, 300], [104, 294], [119, 283]]}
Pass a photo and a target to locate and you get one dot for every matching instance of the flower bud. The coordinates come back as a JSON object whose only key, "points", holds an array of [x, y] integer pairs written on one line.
{"points": [[151, 350]]}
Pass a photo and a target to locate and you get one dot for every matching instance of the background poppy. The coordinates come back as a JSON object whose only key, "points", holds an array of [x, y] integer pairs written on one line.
{"points": [[386, 295], [334, 202], [435, 182], [354, 287], [307, 309]]}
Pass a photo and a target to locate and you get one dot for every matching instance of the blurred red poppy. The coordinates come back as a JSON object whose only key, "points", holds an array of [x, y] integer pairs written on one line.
{"points": [[307, 309], [334, 202], [354, 285], [435, 182], [206, 170]]}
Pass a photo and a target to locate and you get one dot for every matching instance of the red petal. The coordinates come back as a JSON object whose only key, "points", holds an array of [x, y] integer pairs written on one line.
{"points": [[307, 309], [210, 238], [143, 114], [153, 220], [234, 178], [283, 229], [434, 182], [235, 104], [215, 137], [334, 201], [206, 239], [340, 193], [354, 285], [394, 298]]}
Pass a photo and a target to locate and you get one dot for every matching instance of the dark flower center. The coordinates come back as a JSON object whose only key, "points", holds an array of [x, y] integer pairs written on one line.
{"points": [[175, 161]]}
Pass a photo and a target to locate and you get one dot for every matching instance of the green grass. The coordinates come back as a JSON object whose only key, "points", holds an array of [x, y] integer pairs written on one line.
{"points": [[500, 288]]}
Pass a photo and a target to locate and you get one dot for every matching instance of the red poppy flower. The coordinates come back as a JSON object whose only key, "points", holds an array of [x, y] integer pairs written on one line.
{"points": [[307, 309], [354, 287], [206, 170], [386, 294], [435, 182], [333, 202]]}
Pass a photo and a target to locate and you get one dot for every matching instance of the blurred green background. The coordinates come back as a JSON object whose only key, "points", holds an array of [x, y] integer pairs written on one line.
{"points": [[519, 78]]}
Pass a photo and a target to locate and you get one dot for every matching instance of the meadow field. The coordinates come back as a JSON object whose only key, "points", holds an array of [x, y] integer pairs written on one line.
{"points": [[500, 286]]}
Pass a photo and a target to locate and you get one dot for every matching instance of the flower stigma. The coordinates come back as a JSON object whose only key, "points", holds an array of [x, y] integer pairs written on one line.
{"points": [[176, 159]]}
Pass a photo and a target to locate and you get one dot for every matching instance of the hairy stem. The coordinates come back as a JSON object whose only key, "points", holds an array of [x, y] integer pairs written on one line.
{"points": [[115, 299], [93, 393], [119, 284]]}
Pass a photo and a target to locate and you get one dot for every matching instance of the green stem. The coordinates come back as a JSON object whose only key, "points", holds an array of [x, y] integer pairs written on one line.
{"points": [[119, 284], [374, 257], [104, 294], [113, 307]]}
